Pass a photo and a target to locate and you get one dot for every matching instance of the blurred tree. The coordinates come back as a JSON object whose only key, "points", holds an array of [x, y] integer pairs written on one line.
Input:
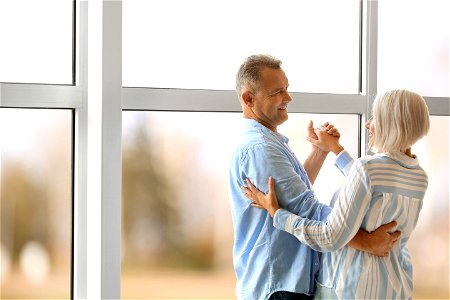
{"points": [[149, 211], [154, 231], [24, 208]]}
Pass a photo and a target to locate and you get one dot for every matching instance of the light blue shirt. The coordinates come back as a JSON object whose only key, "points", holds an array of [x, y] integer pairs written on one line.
{"points": [[267, 259], [379, 189]]}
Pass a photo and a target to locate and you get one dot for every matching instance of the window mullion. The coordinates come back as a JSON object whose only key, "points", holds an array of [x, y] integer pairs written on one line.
{"points": [[104, 106], [39, 96]]}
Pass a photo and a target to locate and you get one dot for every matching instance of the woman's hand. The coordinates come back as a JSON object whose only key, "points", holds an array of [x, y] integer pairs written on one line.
{"points": [[325, 140], [329, 128], [267, 201]]}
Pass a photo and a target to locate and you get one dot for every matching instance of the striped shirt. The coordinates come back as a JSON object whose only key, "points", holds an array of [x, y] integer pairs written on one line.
{"points": [[379, 189]]}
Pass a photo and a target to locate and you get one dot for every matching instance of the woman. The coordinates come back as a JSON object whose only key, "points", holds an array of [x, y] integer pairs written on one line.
{"points": [[387, 186]]}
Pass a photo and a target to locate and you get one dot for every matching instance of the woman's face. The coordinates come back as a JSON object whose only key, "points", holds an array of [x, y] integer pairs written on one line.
{"points": [[371, 128]]}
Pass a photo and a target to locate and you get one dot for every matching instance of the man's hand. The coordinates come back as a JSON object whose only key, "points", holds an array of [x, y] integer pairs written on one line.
{"points": [[382, 240], [379, 242]]}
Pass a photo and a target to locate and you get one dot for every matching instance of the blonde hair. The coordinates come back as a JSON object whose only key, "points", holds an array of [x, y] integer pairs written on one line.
{"points": [[400, 118]]}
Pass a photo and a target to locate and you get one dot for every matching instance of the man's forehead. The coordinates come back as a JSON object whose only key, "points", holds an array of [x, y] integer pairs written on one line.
{"points": [[273, 78]]}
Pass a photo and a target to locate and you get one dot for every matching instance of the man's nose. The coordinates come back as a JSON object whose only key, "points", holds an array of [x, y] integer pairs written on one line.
{"points": [[289, 97]]}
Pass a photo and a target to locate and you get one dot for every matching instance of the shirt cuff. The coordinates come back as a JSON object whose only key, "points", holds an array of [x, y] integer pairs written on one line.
{"points": [[343, 162], [280, 219]]}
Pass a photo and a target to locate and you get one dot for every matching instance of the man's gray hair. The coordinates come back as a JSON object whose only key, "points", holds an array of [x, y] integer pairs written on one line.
{"points": [[249, 73]]}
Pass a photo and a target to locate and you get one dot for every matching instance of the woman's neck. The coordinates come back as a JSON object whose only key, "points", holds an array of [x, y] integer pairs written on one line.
{"points": [[408, 152]]}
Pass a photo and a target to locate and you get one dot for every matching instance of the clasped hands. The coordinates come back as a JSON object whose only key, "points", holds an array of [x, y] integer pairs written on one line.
{"points": [[324, 138]]}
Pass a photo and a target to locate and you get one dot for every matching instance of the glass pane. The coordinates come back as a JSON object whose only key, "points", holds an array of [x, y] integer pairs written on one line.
{"points": [[429, 243], [201, 43], [295, 129], [177, 229], [36, 41], [413, 47], [36, 203]]}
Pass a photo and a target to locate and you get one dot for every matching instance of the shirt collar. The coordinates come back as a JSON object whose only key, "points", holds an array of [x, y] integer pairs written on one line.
{"points": [[256, 124], [402, 158]]}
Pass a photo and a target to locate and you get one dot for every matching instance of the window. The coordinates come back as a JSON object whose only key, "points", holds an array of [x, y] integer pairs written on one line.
{"points": [[184, 56], [177, 228], [429, 247], [199, 44], [295, 129], [413, 46], [36, 203], [36, 41]]}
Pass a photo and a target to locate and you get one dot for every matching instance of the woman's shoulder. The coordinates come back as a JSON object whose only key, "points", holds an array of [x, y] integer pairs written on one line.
{"points": [[368, 159], [376, 161]]}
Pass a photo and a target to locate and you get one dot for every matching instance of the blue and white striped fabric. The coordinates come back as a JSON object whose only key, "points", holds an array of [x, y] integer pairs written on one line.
{"points": [[379, 189]]}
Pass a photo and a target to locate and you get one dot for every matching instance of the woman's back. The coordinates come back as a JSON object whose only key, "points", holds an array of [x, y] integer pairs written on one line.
{"points": [[397, 186]]}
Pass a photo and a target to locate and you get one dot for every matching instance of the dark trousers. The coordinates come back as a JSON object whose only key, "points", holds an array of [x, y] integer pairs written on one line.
{"points": [[282, 295]]}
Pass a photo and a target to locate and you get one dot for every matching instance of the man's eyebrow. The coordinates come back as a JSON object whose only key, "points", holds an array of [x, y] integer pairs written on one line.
{"points": [[275, 90]]}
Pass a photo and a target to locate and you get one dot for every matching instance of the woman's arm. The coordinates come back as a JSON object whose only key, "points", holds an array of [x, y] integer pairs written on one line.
{"points": [[342, 229], [342, 224]]}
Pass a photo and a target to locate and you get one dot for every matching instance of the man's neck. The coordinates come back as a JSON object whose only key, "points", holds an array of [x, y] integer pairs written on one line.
{"points": [[270, 127]]}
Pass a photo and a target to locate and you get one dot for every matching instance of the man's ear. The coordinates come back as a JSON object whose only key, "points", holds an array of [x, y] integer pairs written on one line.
{"points": [[247, 98]]}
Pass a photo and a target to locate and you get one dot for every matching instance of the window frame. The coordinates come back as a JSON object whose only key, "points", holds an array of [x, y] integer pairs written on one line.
{"points": [[98, 98]]}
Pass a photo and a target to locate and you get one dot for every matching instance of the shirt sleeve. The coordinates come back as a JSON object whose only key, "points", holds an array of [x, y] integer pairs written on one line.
{"points": [[292, 186], [344, 162], [343, 222]]}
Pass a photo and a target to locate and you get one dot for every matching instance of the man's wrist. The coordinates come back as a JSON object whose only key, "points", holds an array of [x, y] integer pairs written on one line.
{"points": [[361, 241], [319, 152]]}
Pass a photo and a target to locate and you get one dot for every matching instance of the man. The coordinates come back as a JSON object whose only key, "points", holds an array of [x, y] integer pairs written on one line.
{"points": [[271, 264]]}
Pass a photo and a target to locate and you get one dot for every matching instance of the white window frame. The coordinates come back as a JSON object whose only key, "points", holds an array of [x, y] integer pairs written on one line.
{"points": [[98, 99]]}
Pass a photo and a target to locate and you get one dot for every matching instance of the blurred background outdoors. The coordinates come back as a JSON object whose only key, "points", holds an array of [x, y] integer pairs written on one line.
{"points": [[36, 203], [177, 234], [176, 229]]}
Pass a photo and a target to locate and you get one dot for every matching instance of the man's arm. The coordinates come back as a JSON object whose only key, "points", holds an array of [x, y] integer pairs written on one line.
{"points": [[379, 242], [319, 152], [272, 159], [314, 163]]}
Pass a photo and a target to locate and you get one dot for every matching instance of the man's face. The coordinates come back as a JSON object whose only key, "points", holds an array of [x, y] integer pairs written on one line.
{"points": [[271, 99]]}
